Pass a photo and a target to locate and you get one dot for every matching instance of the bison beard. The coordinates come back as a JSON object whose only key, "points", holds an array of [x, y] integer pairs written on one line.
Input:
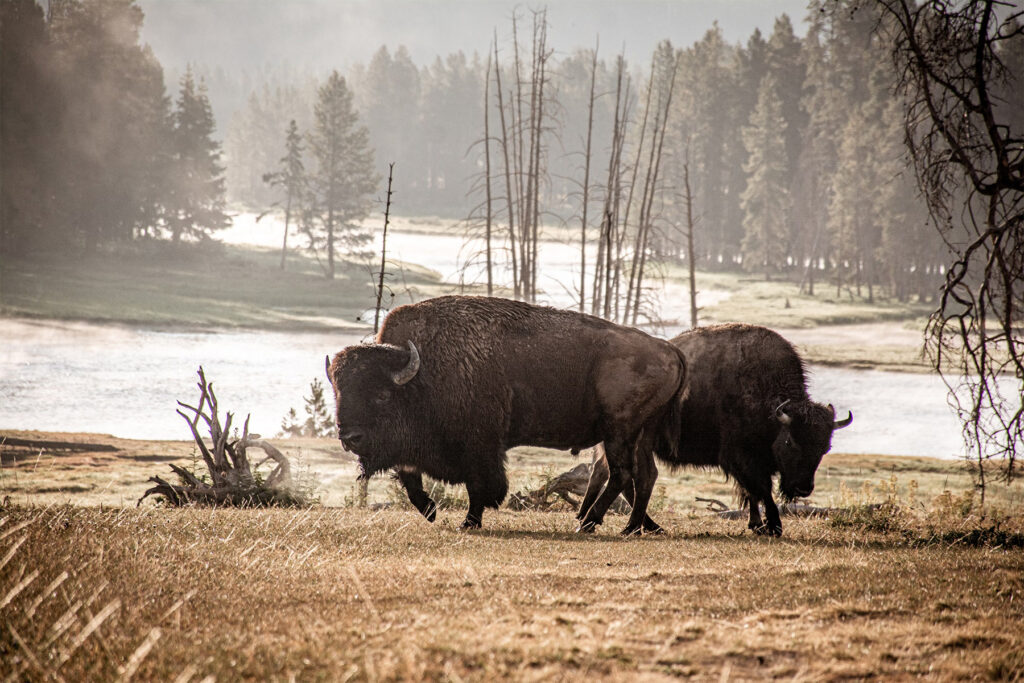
{"points": [[454, 382], [747, 412]]}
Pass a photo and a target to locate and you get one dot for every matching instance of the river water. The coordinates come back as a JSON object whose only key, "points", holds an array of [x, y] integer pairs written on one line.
{"points": [[67, 376]]}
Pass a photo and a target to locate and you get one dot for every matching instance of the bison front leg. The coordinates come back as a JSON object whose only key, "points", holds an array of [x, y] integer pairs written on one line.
{"points": [[772, 526], [412, 482], [487, 488], [773, 523]]}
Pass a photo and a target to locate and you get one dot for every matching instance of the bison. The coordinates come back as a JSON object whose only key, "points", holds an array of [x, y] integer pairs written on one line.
{"points": [[453, 382], [748, 413]]}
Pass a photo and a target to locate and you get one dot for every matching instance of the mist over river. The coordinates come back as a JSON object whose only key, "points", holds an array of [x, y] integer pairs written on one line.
{"points": [[83, 377]]}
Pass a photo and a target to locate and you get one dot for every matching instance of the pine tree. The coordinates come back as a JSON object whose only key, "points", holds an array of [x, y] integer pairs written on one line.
{"points": [[28, 114], [109, 177], [850, 211], [785, 59], [291, 178], [766, 199], [197, 208], [344, 177]]}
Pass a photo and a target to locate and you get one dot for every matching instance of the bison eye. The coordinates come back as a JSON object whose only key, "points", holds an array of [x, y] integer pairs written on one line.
{"points": [[382, 398]]}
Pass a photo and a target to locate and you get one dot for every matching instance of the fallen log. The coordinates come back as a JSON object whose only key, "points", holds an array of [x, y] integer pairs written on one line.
{"points": [[57, 445]]}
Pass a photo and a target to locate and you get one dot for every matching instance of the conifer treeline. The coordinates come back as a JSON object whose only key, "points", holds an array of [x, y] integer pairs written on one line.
{"points": [[94, 151], [794, 145]]}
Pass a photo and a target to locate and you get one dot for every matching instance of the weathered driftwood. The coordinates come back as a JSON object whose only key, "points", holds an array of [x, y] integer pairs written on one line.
{"points": [[563, 488], [787, 510], [232, 480]]}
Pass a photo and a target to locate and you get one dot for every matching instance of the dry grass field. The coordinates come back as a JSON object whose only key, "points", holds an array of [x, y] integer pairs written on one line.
{"points": [[93, 588]]}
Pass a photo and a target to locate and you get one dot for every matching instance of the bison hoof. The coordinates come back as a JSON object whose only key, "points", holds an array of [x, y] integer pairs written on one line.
{"points": [[469, 523], [632, 531], [765, 530], [429, 511], [653, 528], [586, 527]]}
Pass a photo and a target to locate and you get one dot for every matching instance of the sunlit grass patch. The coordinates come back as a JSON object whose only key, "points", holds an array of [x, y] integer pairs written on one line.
{"points": [[329, 593]]}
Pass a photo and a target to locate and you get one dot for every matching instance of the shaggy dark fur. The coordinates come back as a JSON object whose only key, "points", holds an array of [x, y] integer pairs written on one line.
{"points": [[495, 374], [745, 382]]}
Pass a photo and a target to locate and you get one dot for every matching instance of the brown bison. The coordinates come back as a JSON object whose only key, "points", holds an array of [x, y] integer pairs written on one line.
{"points": [[747, 412], [454, 382]]}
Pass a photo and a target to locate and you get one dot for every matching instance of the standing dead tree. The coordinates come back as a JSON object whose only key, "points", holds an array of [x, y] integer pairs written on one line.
{"points": [[232, 479], [970, 169], [690, 224]]}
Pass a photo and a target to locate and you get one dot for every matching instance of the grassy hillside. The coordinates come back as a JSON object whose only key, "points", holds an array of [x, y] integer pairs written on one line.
{"points": [[221, 286]]}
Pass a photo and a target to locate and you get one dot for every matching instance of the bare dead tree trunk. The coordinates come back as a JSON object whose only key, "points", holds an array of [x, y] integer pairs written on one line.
{"points": [[508, 174], [586, 182], [487, 174], [383, 252], [287, 219], [516, 111], [609, 252], [689, 243], [632, 188]]}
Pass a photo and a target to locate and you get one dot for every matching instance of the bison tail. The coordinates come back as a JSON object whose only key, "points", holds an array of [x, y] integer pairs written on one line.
{"points": [[670, 430]]}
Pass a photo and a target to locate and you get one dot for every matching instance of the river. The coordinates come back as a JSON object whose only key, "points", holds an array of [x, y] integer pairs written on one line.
{"points": [[125, 381]]}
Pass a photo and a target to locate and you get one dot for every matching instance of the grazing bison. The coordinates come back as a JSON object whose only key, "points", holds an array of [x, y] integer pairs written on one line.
{"points": [[747, 412], [454, 382]]}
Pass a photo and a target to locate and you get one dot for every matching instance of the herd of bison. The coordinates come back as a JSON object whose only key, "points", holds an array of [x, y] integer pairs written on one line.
{"points": [[452, 383]]}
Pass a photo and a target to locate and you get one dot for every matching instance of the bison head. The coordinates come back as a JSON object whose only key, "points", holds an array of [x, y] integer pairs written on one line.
{"points": [[805, 436], [373, 411]]}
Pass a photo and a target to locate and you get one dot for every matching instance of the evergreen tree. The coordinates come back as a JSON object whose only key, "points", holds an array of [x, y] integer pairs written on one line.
{"points": [[112, 137], [766, 198], [197, 208], [344, 179], [708, 120], [290, 178], [387, 96], [850, 210], [28, 114], [785, 61]]}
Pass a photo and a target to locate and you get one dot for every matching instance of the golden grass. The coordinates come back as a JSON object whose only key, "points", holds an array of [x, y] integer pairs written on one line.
{"points": [[329, 594], [919, 587]]}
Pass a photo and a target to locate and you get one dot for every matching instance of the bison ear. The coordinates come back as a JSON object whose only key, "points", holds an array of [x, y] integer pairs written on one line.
{"points": [[406, 374]]}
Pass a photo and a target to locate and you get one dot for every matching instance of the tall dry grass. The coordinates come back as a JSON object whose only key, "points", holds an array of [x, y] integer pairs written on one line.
{"points": [[344, 594]]}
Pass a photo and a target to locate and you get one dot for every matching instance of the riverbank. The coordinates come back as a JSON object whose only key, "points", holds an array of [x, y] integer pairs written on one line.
{"points": [[54, 468], [235, 286]]}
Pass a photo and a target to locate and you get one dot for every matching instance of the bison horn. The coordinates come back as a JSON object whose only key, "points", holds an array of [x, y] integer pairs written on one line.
{"points": [[327, 369], [781, 415], [410, 369], [839, 424]]}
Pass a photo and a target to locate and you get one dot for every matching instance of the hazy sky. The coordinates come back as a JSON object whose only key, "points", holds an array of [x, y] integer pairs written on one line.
{"points": [[325, 34]]}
